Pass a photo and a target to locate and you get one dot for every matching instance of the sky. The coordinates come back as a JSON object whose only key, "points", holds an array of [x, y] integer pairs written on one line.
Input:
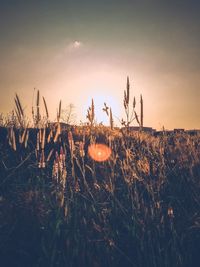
{"points": [[79, 50]]}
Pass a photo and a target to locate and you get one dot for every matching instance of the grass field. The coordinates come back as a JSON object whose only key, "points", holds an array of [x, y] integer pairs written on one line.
{"points": [[59, 207]]}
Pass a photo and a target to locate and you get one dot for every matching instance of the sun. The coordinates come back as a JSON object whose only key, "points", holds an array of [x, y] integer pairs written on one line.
{"points": [[99, 100]]}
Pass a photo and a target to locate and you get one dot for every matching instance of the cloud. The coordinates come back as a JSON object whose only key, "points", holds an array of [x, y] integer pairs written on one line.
{"points": [[77, 44], [69, 49], [74, 45]]}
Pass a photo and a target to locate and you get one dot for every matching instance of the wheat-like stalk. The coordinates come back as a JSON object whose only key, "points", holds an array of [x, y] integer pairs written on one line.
{"points": [[19, 111], [136, 117], [58, 131], [71, 143], [22, 136], [91, 114], [49, 136], [38, 109], [141, 112], [111, 119], [127, 91], [12, 139], [43, 138], [46, 109], [59, 112], [92, 110], [18, 115], [38, 142], [26, 138], [19, 105], [134, 102], [106, 109]]}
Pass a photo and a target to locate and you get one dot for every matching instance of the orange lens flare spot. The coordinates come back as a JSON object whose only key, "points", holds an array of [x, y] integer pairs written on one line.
{"points": [[99, 152]]}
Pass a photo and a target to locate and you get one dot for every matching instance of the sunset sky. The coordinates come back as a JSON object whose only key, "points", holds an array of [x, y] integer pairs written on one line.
{"points": [[76, 50]]}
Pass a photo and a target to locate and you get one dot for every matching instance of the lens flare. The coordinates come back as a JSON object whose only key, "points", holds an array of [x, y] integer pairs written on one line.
{"points": [[99, 152]]}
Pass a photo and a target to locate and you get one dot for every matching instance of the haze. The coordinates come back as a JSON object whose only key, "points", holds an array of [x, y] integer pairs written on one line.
{"points": [[76, 50]]}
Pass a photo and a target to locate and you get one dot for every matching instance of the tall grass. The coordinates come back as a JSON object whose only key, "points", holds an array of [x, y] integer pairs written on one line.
{"points": [[139, 208], [59, 207]]}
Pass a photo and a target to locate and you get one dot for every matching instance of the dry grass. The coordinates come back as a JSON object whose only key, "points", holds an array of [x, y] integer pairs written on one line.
{"points": [[59, 207], [143, 199]]}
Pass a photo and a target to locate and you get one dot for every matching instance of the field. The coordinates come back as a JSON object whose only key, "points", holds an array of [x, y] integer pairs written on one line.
{"points": [[60, 207]]}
